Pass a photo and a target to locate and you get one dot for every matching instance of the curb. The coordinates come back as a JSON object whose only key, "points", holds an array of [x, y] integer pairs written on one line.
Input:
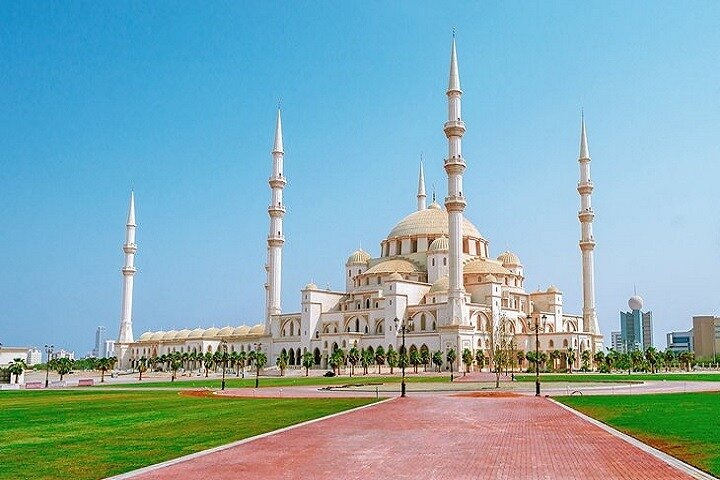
{"points": [[659, 454], [192, 456]]}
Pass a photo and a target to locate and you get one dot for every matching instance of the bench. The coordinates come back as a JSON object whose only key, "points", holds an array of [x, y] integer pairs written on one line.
{"points": [[33, 385], [11, 386], [58, 384], [86, 382]]}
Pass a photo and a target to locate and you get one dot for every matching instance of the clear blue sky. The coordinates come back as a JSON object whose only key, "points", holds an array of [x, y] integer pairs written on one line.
{"points": [[178, 100]]}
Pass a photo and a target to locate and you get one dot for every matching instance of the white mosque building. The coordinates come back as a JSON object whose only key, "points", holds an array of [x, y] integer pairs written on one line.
{"points": [[434, 272]]}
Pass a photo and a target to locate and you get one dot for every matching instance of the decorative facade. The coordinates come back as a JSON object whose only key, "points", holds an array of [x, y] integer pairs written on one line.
{"points": [[434, 271]]}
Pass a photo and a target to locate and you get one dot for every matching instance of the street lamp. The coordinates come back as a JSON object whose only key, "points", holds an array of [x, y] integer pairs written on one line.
{"points": [[223, 345], [48, 352], [257, 346], [536, 329], [403, 329]]}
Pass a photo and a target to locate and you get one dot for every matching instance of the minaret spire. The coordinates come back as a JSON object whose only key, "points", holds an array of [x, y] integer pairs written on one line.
{"points": [[586, 216], [128, 271], [455, 201], [421, 197], [276, 239]]}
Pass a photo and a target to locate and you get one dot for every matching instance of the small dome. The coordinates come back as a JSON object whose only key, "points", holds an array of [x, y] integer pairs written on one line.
{"points": [[197, 333], [490, 278], [311, 286], [258, 329], [224, 332], [210, 332], [157, 335], [145, 336], [439, 245], [358, 257], [395, 276], [635, 302], [552, 289], [484, 266], [508, 258], [441, 285], [390, 266], [241, 330], [182, 334]]}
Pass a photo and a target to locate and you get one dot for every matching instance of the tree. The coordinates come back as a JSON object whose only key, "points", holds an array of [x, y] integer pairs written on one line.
{"points": [[570, 357], [282, 362], [207, 360], [380, 357], [260, 361], [335, 360], [62, 366], [353, 357], [308, 361], [532, 360], [103, 364], [585, 356], [437, 360], [480, 359], [599, 359], [176, 361], [425, 357], [687, 359], [451, 356], [393, 358], [652, 357], [366, 358], [242, 358], [669, 358], [554, 357], [415, 359], [17, 367], [520, 356], [142, 367], [467, 358], [636, 359]]}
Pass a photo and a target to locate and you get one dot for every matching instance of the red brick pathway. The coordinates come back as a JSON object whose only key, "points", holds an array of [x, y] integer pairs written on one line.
{"points": [[435, 437]]}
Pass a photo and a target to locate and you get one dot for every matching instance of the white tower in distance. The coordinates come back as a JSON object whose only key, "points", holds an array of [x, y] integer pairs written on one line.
{"points": [[421, 197], [587, 241], [128, 271], [455, 201], [276, 239]]}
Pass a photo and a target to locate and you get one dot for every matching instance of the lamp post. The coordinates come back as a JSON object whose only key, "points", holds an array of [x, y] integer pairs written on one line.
{"points": [[403, 328], [536, 329], [257, 346], [48, 352], [223, 345]]}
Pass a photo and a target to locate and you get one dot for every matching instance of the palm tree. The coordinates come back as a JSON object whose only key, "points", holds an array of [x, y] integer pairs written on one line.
{"points": [[570, 356], [234, 358], [652, 356], [480, 359], [242, 358], [260, 362], [543, 358], [599, 359], [104, 364], [380, 357], [467, 358], [335, 360], [520, 355], [451, 357], [63, 366], [415, 359], [353, 357], [669, 357], [17, 367], [585, 357], [393, 359], [687, 358], [142, 367], [425, 357], [308, 361], [366, 358], [554, 357], [636, 359], [437, 360], [282, 362], [176, 362], [207, 362]]}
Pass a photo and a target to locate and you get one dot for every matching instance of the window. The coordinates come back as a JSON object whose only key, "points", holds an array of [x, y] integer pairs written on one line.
{"points": [[444, 261], [357, 324], [349, 273], [367, 303], [422, 322], [433, 262]]}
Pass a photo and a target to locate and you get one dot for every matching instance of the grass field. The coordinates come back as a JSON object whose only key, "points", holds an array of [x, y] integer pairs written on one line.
{"points": [[619, 377], [248, 382], [92, 434], [685, 425]]}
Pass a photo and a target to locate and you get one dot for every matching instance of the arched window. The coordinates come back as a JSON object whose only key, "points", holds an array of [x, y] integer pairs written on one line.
{"points": [[444, 261], [551, 344], [433, 262], [434, 325], [422, 322], [357, 324], [366, 329], [367, 303]]}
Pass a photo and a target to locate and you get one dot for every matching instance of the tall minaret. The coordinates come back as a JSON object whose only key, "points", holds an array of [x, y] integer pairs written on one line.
{"points": [[455, 201], [128, 271], [587, 241], [421, 190], [276, 239]]}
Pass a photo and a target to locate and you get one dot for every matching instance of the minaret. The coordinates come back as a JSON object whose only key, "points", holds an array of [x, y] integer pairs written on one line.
{"points": [[276, 239], [421, 190], [587, 241], [128, 271], [455, 201]]}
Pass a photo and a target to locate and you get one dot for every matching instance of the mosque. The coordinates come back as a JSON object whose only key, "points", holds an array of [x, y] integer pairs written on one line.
{"points": [[434, 274]]}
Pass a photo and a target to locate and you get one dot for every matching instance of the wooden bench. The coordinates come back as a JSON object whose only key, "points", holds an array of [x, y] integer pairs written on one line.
{"points": [[86, 382], [33, 385]]}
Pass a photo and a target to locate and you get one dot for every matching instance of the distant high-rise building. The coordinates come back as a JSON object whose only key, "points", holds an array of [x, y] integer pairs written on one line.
{"points": [[109, 350], [99, 342], [706, 336], [34, 356], [616, 341], [62, 353], [680, 341], [636, 326]]}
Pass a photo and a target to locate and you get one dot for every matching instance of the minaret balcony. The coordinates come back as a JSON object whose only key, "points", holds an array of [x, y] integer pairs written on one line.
{"points": [[276, 210], [587, 244], [130, 248], [129, 270], [455, 165], [585, 188], [454, 128], [586, 215], [455, 203], [276, 240], [277, 181]]}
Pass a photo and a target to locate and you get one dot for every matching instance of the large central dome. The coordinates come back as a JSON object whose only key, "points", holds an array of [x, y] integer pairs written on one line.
{"points": [[432, 221]]}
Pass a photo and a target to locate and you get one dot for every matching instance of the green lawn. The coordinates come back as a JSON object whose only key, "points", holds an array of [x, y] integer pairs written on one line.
{"points": [[618, 377], [94, 434], [685, 425], [233, 382]]}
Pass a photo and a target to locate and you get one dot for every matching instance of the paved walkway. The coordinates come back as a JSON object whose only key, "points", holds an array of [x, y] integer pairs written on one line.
{"points": [[438, 436]]}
